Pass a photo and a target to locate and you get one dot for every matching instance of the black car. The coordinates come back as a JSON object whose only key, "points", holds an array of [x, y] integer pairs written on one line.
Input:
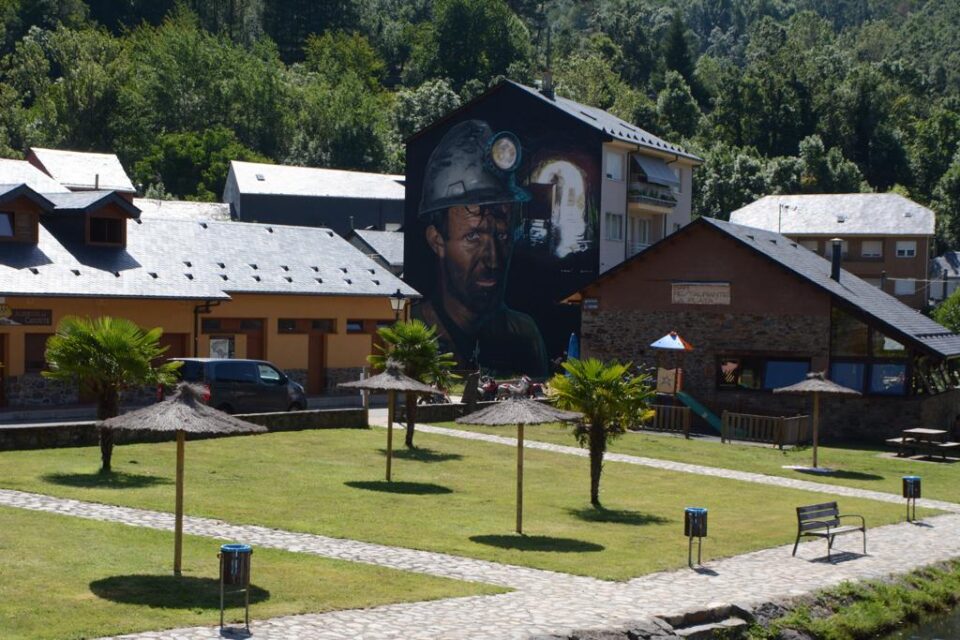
{"points": [[243, 386]]}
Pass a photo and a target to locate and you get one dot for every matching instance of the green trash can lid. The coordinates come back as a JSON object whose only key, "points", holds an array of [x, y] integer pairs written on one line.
{"points": [[236, 548]]}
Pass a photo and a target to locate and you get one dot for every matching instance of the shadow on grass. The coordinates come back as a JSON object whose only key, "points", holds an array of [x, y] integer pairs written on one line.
{"points": [[169, 592], [423, 455], [846, 475], [617, 516], [538, 543], [411, 488], [112, 480]]}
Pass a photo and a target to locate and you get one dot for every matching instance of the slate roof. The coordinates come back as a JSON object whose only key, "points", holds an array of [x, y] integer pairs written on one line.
{"points": [[388, 244], [13, 191], [182, 209], [195, 260], [278, 179], [840, 214], [17, 172], [899, 320], [608, 123], [83, 170], [83, 201]]}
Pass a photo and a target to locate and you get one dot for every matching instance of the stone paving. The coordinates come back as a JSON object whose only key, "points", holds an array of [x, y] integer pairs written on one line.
{"points": [[544, 602]]}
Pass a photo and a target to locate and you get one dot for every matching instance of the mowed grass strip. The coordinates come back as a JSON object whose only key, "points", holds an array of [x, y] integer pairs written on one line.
{"points": [[876, 469], [64, 577], [451, 495]]}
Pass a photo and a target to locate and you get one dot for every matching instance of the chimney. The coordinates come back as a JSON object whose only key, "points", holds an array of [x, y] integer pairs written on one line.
{"points": [[835, 262], [96, 181]]}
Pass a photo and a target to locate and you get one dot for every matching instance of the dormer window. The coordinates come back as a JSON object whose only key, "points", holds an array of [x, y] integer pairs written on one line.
{"points": [[6, 224], [107, 230]]}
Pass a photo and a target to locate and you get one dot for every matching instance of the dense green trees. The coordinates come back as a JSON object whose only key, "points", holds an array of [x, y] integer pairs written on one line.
{"points": [[793, 96]]}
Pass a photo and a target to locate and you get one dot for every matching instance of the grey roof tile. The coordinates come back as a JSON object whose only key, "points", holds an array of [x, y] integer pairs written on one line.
{"points": [[195, 260], [899, 319], [22, 172], [182, 209], [388, 244], [838, 214], [84, 170], [278, 179]]}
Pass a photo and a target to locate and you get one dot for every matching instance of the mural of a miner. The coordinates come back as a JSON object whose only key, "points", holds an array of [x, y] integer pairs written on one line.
{"points": [[470, 207]]}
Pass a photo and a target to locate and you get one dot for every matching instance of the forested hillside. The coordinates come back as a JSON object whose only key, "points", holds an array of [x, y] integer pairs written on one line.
{"points": [[778, 96]]}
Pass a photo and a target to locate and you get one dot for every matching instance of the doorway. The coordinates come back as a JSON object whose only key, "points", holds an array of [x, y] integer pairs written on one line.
{"points": [[317, 363]]}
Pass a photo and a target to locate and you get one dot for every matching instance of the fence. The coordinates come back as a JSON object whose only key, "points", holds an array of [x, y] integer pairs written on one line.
{"points": [[670, 418], [774, 430]]}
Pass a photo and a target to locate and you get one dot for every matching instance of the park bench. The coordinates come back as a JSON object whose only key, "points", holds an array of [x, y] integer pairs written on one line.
{"points": [[823, 521], [909, 446]]}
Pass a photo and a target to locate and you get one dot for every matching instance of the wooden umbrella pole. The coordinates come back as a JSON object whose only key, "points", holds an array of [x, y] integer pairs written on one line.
{"points": [[391, 401], [816, 426], [520, 478], [178, 527]]}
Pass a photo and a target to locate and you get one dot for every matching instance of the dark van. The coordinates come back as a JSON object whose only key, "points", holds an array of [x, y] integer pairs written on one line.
{"points": [[243, 386]]}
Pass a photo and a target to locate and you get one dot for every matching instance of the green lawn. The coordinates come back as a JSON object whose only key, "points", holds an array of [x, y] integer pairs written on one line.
{"points": [[454, 496], [862, 468], [63, 577]]}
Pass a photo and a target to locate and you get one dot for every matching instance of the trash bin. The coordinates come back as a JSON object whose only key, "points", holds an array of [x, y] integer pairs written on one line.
{"points": [[695, 522], [911, 487], [235, 564]]}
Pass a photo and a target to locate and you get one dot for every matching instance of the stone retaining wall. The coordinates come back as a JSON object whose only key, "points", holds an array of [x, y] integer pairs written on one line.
{"points": [[84, 434]]}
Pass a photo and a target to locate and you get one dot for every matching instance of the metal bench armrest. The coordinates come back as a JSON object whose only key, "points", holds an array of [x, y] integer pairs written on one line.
{"points": [[863, 522]]}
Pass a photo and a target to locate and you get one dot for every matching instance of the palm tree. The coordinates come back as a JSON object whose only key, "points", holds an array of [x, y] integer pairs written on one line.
{"points": [[106, 355], [416, 348], [610, 399]]}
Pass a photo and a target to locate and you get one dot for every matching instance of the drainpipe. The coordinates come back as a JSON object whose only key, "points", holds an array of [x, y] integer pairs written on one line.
{"points": [[206, 307], [835, 263]]}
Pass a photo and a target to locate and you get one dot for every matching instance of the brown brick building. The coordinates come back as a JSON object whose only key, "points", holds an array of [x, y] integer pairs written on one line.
{"points": [[761, 312]]}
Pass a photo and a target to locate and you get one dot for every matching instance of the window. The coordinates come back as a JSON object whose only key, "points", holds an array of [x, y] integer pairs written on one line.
{"points": [[812, 245], [872, 281], [906, 248], [6, 224], [676, 227], [614, 166], [848, 374], [889, 379], [326, 326], [884, 347], [286, 325], [106, 230], [251, 324], [191, 371], [679, 176], [614, 226], [904, 286], [236, 372], [269, 375], [871, 249], [34, 351], [354, 326], [848, 336], [210, 324], [754, 372]]}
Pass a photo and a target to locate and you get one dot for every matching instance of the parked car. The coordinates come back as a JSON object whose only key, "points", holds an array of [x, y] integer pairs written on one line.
{"points": [[243, 386]]}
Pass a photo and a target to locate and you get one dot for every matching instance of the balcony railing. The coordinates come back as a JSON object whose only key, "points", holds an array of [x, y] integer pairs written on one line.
{"points": [[633, 248], [647, 193]]}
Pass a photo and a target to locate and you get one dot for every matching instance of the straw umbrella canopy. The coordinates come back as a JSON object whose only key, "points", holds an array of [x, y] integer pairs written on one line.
{"points": [[817, 383], [182, 412], [391, 380], [519, 411]]}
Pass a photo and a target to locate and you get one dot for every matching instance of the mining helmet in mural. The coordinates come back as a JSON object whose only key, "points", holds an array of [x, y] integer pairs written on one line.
{"points": [[472, 166]]}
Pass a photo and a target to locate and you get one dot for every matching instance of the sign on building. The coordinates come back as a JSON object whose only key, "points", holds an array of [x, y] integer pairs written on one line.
{"points": [[706, 293]]}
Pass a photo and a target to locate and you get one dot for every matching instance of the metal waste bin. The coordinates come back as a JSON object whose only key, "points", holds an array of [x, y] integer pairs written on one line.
{"points": [[911, 491], [695, 522], [235, 564], [235, 570]]}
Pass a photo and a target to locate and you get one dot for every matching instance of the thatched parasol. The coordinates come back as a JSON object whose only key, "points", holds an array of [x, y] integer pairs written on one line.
{"points": [[183, 412], [817, 383], [391, 381], [518, 411]]}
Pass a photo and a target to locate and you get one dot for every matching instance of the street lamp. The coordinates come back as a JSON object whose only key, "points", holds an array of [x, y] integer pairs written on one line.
{"points": [[397, 302]]}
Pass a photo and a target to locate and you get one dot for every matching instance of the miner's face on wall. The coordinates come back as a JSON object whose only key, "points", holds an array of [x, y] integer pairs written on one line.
{"points": [[473, 244]]}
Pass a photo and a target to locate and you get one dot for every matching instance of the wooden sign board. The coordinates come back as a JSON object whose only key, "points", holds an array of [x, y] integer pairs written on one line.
{"points": [[706, 293], [669, 380]]}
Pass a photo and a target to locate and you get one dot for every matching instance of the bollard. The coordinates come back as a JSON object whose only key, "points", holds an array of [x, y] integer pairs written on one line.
{"points": [[235, 570], [694, 526], [911, 491]]}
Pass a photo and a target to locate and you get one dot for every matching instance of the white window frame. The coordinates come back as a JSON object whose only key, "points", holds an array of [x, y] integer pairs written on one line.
{"points": [[904, 286], [872, 252], [906, 248], [810, 245], [613, 160], [613, 226]]}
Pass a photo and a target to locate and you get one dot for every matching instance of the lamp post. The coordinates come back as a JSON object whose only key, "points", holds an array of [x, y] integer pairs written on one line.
{"points": [[397, 302]]}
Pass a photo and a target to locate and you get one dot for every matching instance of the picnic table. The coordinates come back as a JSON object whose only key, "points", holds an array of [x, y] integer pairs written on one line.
{"points": [[920, 440]]}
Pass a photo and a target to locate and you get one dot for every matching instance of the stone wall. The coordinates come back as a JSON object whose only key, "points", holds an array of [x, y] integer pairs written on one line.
{"points": [[298, 375], [33, 390], [625, 335], [84, 434], [336, 375]]}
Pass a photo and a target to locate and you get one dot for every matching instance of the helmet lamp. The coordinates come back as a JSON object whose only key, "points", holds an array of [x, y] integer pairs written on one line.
{"points": [[505, 152]]}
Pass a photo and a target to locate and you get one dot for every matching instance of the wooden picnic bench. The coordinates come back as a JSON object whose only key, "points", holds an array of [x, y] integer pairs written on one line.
{"points": [[929, 442], [824, 521]]}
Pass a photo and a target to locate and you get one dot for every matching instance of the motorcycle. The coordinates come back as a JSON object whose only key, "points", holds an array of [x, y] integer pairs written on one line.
{"points": [[487, 388]]}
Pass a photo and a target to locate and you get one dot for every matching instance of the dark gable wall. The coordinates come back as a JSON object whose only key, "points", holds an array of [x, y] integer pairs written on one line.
{"points": [[334, 213], [538, 277]]}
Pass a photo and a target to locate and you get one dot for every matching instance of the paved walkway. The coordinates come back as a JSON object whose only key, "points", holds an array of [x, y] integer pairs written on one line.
{"points": [[545, 602]]}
